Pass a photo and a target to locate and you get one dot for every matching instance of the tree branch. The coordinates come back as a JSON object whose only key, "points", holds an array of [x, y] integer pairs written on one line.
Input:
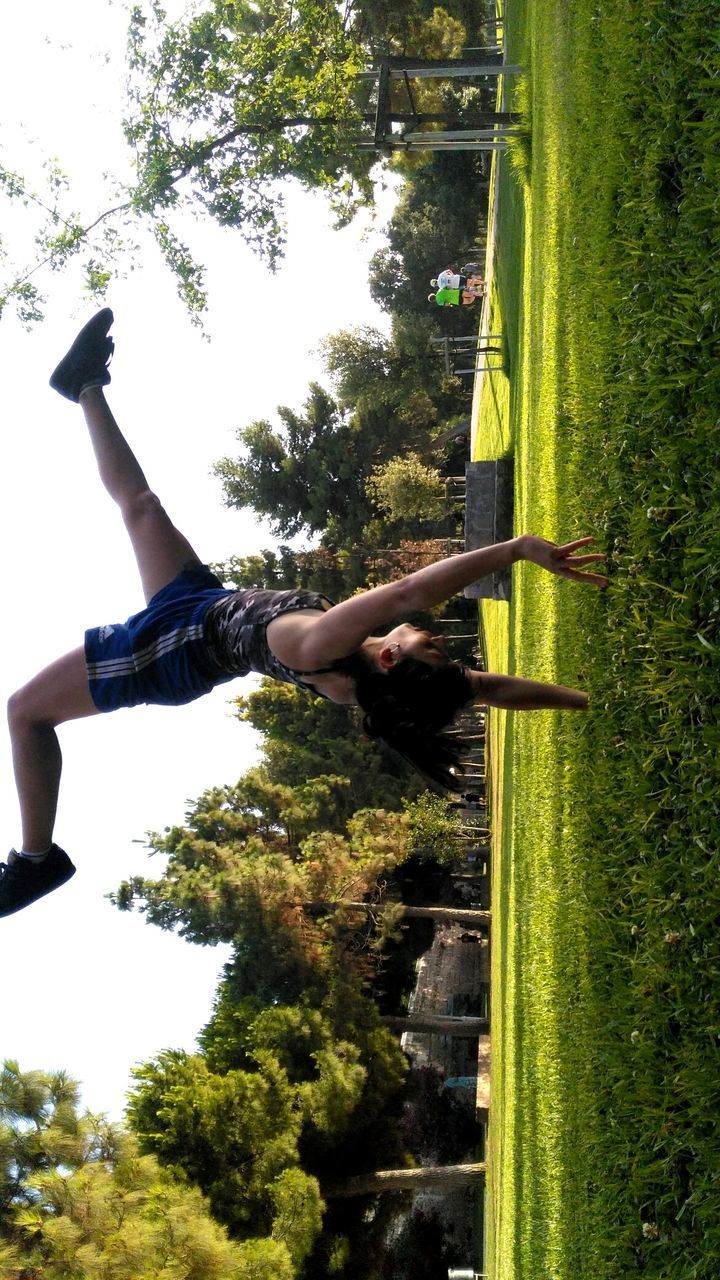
{"points": [[119, 208], [272, 126]]}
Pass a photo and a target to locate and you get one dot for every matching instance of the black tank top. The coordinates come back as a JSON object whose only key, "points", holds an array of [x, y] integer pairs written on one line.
{"points": [[236, 631]]}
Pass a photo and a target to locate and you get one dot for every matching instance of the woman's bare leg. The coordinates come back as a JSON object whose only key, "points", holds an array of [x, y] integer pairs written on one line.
{"points": [[160, 549], [61, 691], [58, 693]]}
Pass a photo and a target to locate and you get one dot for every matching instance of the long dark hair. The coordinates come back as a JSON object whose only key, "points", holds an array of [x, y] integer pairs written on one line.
{"points": [[409, 706]]}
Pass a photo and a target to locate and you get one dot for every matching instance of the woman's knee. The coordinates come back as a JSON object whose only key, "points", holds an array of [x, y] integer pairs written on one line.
{"points": [[22, 708], [142, 507], [59, 692]]}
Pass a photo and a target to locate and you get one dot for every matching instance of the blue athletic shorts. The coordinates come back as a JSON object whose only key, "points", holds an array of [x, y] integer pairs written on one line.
{"points": [[158, 655]]}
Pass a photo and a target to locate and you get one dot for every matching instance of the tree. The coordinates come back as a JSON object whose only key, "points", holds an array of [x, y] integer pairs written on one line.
{"points": [[78, 1198], [374, 375], [281, 815], [311, 473], [224, 106], [50, 233], [304, 737], [438, 1024], [433, 829], [228, 880], [298, 1209], [39, 1127], [407, 489], [238, 97], [396, 911], [283, 568], [434, 223], [302, 475], [232, 1135], [346, 1066], [252, 1138], [227, 104], [360, 363], [336, 573]]}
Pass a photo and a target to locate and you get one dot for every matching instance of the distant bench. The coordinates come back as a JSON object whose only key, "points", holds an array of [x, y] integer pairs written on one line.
{"points": [[489, 519]]}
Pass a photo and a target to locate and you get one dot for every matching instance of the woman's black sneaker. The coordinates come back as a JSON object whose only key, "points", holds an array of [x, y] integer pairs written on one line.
{"points": [[22, 881], [85, 364]]}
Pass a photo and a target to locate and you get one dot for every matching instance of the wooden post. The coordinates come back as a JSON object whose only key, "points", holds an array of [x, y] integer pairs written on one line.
{"points": [[485, 64]]}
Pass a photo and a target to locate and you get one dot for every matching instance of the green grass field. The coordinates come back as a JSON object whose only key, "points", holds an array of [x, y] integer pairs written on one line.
{"points": [[606, 956]]}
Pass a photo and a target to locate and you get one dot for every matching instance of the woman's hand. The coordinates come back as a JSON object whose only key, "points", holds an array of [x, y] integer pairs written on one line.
{"points": [[560, 560]]}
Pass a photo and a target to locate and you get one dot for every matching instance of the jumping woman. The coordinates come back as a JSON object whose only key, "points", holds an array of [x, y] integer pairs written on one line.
{"points": [[195, 633]]}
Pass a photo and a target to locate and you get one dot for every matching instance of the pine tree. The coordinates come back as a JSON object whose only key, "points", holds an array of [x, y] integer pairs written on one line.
{"points": [[78, 1199]]}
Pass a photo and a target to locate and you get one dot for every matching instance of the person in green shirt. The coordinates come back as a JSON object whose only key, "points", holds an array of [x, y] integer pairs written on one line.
{"points": [[455, 297]]}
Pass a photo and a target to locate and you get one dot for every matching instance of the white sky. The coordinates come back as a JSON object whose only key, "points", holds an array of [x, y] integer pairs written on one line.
{"points": [[85, 988]]}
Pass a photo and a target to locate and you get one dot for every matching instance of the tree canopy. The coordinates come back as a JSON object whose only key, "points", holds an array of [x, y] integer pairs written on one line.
{"points": [[306, 737], [310, 473], [234, 98], [77, 1198], [224, 105], [305, 473], [407, 489]]}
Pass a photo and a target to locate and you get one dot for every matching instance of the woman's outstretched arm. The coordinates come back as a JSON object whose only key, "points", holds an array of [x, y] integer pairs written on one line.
{"points": [[515, 693], [344, 627], [437, 582]]}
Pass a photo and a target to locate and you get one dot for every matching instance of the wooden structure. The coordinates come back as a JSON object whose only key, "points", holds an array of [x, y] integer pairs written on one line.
{"points": [[468, 348], [414, 130]]}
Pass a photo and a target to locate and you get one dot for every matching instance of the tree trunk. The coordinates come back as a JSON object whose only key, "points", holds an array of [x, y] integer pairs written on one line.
{"points": [[466, 1028], [471, 919], [445, 1176]]}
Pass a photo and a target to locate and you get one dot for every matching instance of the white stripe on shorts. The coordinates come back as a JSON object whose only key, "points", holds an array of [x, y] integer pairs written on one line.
{"points": [[113, 667]]}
